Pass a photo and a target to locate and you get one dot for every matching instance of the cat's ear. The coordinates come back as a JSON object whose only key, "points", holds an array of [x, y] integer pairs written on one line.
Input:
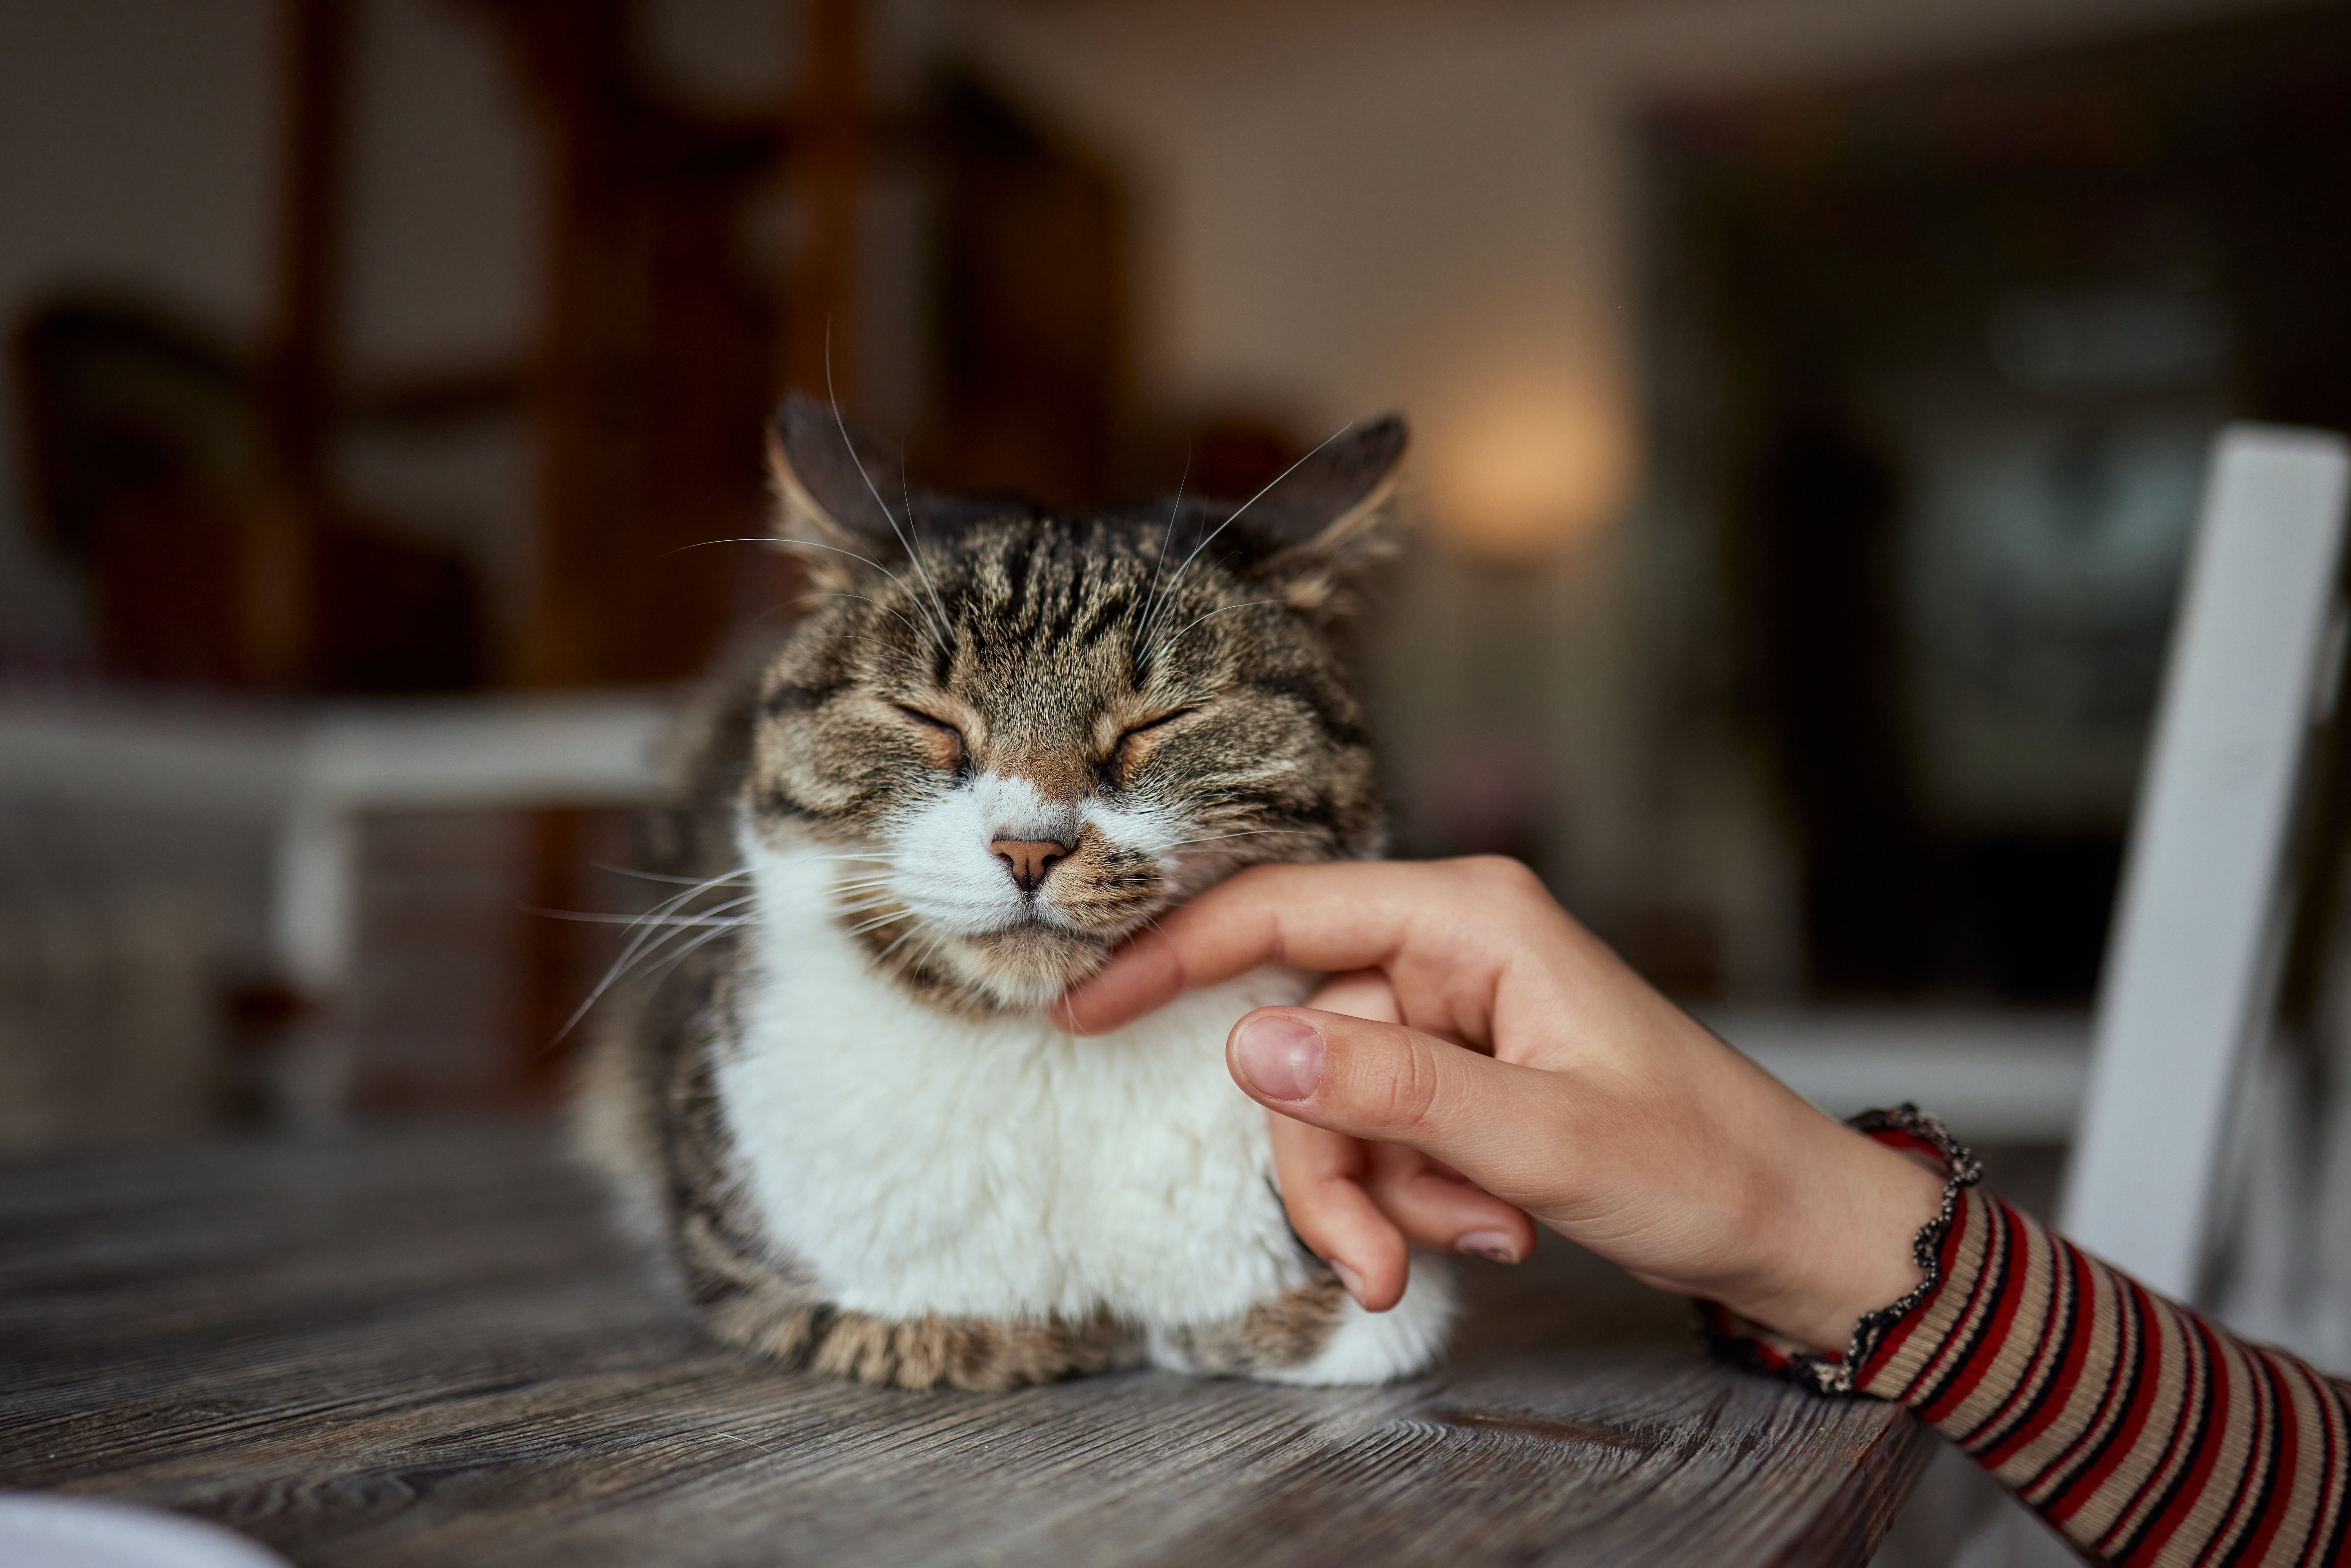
{"points": [[1330, 516], [831, 481]]}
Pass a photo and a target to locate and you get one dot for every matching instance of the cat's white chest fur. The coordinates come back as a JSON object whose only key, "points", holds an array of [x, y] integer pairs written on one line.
{"points": [[921, 1165]]}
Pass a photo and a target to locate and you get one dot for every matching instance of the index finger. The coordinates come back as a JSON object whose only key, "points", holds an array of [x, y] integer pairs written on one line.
{"points": [[1354, 915], [1253, 918]]}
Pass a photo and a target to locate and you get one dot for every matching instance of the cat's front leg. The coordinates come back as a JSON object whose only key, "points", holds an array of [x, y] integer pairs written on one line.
{"points": [[769, 1303], [985, 1354], [982, 1353]]}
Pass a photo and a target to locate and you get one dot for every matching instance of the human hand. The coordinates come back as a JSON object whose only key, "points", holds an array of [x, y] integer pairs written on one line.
{"points": [[1506, 1043], [1355, 1198]]}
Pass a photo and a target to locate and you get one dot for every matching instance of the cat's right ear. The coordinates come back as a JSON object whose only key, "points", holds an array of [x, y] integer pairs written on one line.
{"points": [[1329, 517], [830, 479]]}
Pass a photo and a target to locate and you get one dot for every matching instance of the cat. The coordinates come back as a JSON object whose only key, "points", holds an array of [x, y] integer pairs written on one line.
{"points": [[1002, 741]]}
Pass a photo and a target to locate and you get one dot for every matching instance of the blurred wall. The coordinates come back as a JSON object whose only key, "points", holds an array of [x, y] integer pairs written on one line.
{"points": [[1338, 208], [442, 237], [1351, 205], [140, 158], [1436, 207], [136, 148], [136, 153]]}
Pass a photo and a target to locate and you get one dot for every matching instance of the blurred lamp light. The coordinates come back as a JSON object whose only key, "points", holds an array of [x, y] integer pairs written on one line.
{"points": [[1527, 468]]}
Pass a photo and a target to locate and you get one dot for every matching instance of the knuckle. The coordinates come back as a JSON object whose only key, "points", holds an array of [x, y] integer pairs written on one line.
{"points": [[1501, 875]]}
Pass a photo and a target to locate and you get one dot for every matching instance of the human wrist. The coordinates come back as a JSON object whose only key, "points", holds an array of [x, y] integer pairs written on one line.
{"points": [[1837, 1235]]}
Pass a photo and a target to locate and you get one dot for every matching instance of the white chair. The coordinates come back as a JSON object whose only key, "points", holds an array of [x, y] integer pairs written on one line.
{"points": [[304, 774], [2192, 966]]}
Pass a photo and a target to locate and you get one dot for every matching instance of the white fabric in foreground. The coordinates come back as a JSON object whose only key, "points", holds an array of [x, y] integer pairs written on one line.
{"points": [[41, 1531]]}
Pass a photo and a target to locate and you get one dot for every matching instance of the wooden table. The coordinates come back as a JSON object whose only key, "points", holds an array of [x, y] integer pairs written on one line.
{"points": [[424, 1347]]}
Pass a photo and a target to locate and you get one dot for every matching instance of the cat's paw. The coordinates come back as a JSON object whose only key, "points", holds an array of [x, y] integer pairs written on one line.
{"points": [[1316, 1334], [986, 1355], [1381, 1347]]}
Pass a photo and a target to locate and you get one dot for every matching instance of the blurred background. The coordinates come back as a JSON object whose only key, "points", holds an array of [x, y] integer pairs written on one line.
{"points": [[1811, 401]]}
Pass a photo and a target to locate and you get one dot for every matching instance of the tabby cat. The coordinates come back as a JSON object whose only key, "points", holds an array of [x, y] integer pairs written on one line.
{"points": [[1002, 741]]}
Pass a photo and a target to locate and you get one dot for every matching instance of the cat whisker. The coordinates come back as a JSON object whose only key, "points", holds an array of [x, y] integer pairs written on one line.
{"points": [[648, 939], [1169, 646], [905, 535], [876, 924], [860, 905], [690, 948], [669, 906], [1214, 838], [665, 911], [742, 897], [836, 549], [709, 928], [926, 628], [694, 886], [666, 920], [734, 875], [1167, 538], [653, 923], [897, 942], [937, 940], [868, 898], [1245, 505], [869, 599], [906, 499]]}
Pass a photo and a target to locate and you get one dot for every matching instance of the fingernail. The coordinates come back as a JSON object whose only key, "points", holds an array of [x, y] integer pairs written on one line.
{"points": [[1282, 1057], [1490, 1244], [1349, 1277]]}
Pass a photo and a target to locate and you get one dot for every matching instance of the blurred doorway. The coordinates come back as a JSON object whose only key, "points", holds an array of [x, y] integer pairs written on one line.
{"points": [[1959, 341]]}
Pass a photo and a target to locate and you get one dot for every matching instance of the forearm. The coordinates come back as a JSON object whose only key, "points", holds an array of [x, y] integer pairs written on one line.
{"points": [[2145, 1433]]}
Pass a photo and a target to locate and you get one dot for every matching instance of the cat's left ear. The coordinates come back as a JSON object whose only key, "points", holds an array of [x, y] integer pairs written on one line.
{"points": [[1331, 517], [844, 501]]}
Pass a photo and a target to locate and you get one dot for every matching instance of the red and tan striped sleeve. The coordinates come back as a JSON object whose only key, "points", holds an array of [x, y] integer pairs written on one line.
{"points": [[2145, 1433], [2149, 1435]]}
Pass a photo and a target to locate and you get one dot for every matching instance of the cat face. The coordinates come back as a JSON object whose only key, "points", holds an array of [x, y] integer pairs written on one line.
{"points": [[1028, 734]]}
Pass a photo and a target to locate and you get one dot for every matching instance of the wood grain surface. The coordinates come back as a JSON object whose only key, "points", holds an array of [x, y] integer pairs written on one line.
{"points": [[426, 1347]]}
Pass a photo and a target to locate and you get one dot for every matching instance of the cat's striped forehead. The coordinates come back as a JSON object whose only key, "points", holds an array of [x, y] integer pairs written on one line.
{"points": [[1048, 621], [1041, 641], [1071, 593], [1040, 624]]}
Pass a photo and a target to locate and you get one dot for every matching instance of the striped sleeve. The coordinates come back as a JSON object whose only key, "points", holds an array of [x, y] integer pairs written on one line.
{"points": [[2150, 1437], [2147, 1435]]}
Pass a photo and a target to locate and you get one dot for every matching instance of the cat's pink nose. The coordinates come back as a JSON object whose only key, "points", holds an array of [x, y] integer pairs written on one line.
{"points": [[1030, 860]]}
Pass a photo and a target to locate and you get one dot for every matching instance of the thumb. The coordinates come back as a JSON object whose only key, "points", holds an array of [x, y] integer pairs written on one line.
{"points": [[1389, 1083]]}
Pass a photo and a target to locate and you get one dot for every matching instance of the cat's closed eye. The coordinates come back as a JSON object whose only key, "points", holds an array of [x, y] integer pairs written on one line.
{"points": [[1128, 752], [949, 746]]}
